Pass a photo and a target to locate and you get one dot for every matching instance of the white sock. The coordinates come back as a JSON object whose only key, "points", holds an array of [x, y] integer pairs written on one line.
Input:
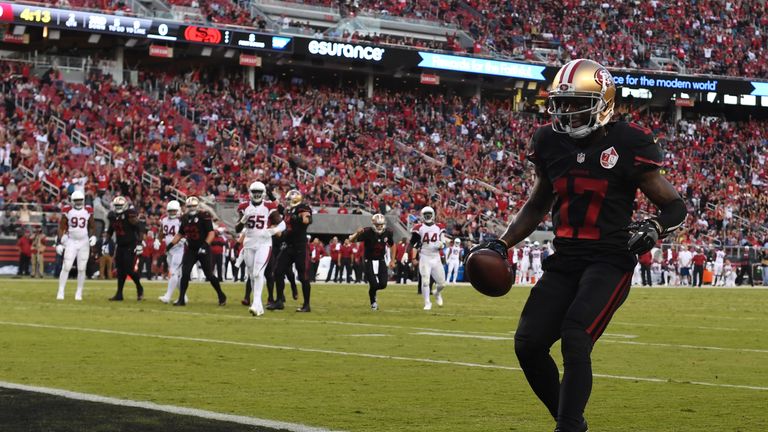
{"points": [[425, 290], [173, 283], [257, 283], [62, 282], [80, 284]]}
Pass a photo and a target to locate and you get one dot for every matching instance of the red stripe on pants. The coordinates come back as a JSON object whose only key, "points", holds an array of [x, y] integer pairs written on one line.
{"points": [[608, 305]]}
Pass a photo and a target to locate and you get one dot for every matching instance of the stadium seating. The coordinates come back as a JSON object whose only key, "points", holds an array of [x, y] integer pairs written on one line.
{"points": [[465, 157]]}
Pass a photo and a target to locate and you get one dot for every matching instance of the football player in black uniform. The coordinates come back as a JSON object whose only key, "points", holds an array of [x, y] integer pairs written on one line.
{"points": [[588, 170], [197, 229], [124, 223], [294, 250], [375, 241]]}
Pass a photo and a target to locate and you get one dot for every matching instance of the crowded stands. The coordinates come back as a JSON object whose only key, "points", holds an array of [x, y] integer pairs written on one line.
{"points": [[462, 155]]}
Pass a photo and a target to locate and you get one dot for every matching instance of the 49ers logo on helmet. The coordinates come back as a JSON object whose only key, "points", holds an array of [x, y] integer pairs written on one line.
{"points": [[603, 77], [564, 87]]}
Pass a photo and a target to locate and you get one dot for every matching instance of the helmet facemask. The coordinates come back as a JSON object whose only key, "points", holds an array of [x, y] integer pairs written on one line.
{"points": [[119, 204], [379, 223], [257, 195], [578, 113]]}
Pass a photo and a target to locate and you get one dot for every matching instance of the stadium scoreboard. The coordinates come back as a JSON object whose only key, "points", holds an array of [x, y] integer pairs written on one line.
{"points": [[139, 27]]}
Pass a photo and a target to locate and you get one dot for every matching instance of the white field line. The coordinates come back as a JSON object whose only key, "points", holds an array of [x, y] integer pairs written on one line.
{"points": [[423, 330], [664, 345], [251, 421], [353, 354]]}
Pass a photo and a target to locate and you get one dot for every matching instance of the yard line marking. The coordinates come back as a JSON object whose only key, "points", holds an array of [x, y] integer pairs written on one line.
{"points": [[665, 345], [469, 336], [367, 335], [423, 330], [677, 326], [363, 355], [698, 347], [211, 415], [620, 335]]}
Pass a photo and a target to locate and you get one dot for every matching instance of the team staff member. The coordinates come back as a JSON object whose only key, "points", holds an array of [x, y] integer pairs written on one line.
{"points": [[588, 170], [317, 252], [124, 223], [345, 260], [294, 251], [376, 240], [197, 229]]}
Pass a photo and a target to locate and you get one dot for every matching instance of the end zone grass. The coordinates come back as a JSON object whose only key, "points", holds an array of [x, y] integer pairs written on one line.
{"points": [[671, 360]]}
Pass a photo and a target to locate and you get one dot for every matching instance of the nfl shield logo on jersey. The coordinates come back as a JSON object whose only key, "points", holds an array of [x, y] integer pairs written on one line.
{"points": [[580, 157], [608, 158]]}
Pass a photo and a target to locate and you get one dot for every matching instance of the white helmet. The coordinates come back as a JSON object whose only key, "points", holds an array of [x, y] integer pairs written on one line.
{"points": [[457, 241], [78, 199], [428, 215], [527, 241], [173, 208], [192, 204], [257, 190], [379, 223], [536, 244], [120, 204]]}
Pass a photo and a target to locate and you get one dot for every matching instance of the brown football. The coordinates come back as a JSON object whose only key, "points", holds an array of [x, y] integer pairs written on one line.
{"points": [[489, 273], [275, 218]]}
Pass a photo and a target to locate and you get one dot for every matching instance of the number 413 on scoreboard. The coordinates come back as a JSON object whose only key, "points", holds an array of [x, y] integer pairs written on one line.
{"points": [[35, 15]]}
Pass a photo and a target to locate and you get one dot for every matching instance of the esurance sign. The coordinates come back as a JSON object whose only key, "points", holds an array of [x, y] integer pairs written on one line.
{"points": [[345, 50]]}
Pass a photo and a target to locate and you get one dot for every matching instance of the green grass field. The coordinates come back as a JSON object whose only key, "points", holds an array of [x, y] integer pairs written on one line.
{"points": [[671, 360]]}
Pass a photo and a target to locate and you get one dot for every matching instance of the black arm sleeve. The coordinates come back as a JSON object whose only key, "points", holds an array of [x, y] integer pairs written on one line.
{"points": [[415, 240], [672, 216]]}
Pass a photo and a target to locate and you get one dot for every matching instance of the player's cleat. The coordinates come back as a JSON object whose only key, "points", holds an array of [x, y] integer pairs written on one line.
{"points": [[295, 294], [255, 313], [427, 306], [374, 306], [223, 301], [439, 299], [78, 298], [164, 299], [278, 305], [59, 297], [179, 303], [115, 298], [304, 309], [245, 302], [140, 297]]}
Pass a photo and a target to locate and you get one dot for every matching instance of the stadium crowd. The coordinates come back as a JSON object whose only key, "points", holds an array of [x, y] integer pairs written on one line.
{"points": [[464, 156], [707, 37]]}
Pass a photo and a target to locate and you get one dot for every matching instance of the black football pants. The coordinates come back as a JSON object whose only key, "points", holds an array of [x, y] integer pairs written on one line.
{"points": [[576, 308], [289, 256], [376, 280], [191, 256], [125, 262]]}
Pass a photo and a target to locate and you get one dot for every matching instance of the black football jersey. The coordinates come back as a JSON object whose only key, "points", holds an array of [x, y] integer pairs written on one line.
{"points": [[196, 228], [376, 244], [595, 187], [295, 230], [128, 234]]}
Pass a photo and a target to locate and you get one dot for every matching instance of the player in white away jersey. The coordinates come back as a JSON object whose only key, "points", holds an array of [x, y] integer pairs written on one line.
{"points": [[257, 239], [536, 260], [718, 268], [76, 236], [525, 263], [170, 226], [455, 254], [429, 238]]}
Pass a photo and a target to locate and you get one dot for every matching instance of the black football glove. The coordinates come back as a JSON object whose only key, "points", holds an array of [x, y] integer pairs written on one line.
{"points": [[645, 234], [495, 245]]}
